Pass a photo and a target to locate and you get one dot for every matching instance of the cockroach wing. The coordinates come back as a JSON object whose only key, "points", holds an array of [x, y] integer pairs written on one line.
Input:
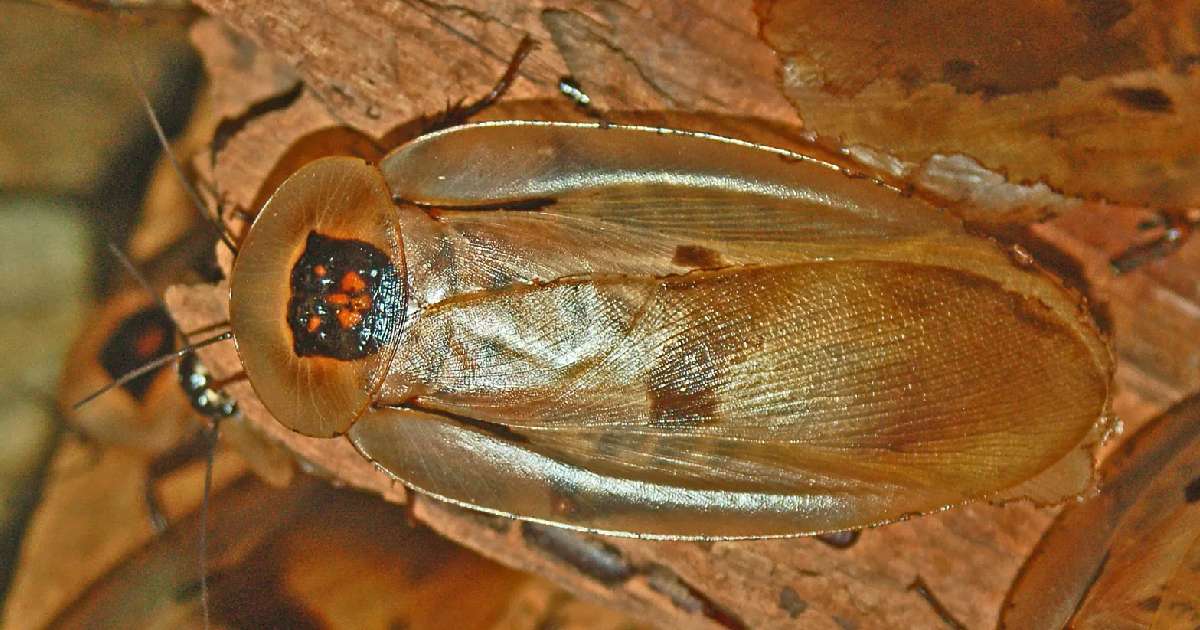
{"points": [[339, 198], [521, 201], [749, 401]]}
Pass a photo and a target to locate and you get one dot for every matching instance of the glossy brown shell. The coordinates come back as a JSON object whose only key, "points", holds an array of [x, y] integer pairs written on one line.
{"points": [[658, 333]]}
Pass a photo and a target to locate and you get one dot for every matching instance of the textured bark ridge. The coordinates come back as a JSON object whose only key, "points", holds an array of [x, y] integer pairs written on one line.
{"points": [[370, 71]]}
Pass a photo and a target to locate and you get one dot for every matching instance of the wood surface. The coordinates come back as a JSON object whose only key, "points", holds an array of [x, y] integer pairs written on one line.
{"points": [[373, 73]]}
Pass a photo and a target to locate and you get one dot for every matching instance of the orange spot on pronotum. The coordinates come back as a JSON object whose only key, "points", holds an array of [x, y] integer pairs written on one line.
{"points": [[148, 343], [340, 299], [348, 319], [320, 271], [360, 302], [313, 324], [352, 283]]}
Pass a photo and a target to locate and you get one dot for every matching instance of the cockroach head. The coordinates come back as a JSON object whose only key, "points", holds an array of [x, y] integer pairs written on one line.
{"points": [[317, 295]]}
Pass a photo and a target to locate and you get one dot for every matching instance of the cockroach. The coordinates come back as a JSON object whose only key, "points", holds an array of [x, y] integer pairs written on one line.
{"points": [[659, 333]]}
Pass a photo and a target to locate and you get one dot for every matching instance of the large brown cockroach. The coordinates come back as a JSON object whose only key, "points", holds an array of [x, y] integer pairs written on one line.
{"points": [[658, 333]]}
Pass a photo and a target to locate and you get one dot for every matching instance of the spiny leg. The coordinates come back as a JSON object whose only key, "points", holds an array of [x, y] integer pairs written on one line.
{"points": [[1177, 227], [458, 113]]}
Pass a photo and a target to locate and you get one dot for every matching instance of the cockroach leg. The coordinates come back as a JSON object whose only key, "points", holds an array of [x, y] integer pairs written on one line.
{"points": [[458, 113], [570, 88], [921, 588], [594, 558], [1176, 228]]}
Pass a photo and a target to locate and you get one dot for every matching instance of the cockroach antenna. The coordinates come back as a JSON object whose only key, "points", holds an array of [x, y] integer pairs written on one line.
{"points": [[214, 219], [140, 278], [209, 215]]}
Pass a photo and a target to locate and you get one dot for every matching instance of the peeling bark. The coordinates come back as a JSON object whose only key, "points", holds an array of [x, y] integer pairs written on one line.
{"points": [[372, 70]]}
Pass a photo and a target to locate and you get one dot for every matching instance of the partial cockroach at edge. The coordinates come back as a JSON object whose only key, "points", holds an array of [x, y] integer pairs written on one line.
{"points": [[659, 333]]}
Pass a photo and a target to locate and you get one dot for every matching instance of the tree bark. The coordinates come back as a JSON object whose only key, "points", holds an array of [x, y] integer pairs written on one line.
{"points": [[371, 70]]}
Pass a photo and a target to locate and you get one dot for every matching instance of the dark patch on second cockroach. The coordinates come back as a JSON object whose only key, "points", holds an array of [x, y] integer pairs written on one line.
{"points": [[1150, 604], [840, 540], [697, 257], [1191, 492], [1147, 99], [790, 602], [589, 556], [231, 126], [147, 334], [919, 587], [238, 601], [682, 386], [687, 598]]}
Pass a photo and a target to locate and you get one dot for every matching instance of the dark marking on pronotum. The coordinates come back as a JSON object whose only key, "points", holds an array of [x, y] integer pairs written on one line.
{"points": [[921, 588], [1191, 492], [1150, 604], [144, 335], [697, 257], [840, 540], [346, 299], [591, 557], [790, 602], [688, 599], [1150, 99]]}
